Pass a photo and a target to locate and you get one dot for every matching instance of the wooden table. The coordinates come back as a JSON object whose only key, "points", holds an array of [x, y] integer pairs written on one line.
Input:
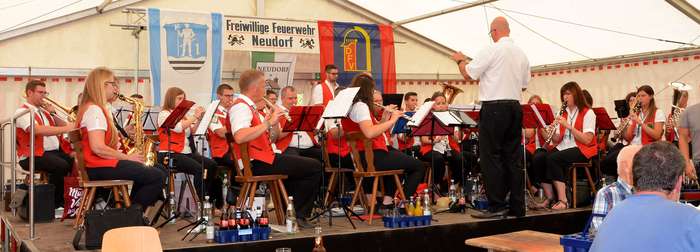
{"points": [[526, 240]]}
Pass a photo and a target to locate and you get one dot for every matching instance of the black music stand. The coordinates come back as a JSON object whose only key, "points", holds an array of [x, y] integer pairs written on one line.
{"points": [[431, 127], [175, 117], [531, 120], [602, 122]]}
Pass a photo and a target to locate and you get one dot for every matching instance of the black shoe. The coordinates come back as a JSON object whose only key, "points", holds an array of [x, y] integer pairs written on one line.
{"points": [[303, 223], [491, 215]]}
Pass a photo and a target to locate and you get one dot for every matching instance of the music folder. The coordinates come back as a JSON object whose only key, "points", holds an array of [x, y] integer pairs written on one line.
{"points": [[177, 114], [401, 125], [304, 118], [421, 113], [206, 119], [602, 119], [340, 106], [448, 118]]}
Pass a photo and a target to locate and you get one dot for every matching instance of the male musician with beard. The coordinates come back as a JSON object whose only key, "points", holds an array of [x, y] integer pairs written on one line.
{"points": [[298, 142], [250, 127], [322, 93], [218, 145], [49, 156]]}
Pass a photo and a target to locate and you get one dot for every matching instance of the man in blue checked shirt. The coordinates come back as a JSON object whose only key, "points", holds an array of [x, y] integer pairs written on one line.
{"points": [[612, 194]]}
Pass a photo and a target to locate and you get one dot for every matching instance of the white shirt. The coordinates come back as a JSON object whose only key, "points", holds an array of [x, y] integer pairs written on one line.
{"points": [[502, 69], [94, 119], [658, 117], [568, 140], [241, 117], [360, 112], [162, 116], [50, 142], [317, 92]]}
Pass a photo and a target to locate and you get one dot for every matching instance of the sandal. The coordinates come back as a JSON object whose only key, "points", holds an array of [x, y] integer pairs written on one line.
{"points": [[560, 205], [540, 205]]}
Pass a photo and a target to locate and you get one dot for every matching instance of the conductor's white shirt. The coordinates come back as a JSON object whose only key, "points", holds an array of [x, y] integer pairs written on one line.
{"points": [[502, 70]]}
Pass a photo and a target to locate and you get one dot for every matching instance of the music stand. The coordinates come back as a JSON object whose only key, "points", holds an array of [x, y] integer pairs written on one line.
{"points": [[150, 119], [430, 126], [175, 117], [535, 116], [602, 122]]}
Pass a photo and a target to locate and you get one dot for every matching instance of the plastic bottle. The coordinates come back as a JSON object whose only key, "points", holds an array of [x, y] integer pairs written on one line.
{"points": [[292, 226]]}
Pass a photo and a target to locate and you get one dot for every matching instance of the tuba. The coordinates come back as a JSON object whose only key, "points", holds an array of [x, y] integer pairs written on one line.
{"points": [[140, 142], [450, 92]]}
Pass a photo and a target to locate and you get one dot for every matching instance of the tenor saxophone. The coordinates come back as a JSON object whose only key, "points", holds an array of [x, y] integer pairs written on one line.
{"points": [[140, 143]]}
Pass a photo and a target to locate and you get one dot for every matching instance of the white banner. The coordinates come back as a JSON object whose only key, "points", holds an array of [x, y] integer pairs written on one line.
{"points": [[185, 52], [270, 35], [277, 74]]}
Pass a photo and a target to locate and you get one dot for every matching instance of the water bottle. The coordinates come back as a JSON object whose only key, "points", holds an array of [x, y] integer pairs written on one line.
{"points": [[292, 226], [172, 207], [209, 220], [426, 203], [453, 191]]}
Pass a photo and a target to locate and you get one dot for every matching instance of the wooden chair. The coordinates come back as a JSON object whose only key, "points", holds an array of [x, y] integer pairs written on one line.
{"points": [[334, 171], [120, 188], [586, 167], [361, 173], [249, 182], [135, 239]]}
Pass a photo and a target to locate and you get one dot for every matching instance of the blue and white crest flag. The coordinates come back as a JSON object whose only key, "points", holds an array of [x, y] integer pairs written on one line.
{"points": [[185, 52]]}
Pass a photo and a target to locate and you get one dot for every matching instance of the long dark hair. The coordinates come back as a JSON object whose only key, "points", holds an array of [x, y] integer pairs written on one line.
{"points": [[366, 94], [576, 92], [652, 103]]}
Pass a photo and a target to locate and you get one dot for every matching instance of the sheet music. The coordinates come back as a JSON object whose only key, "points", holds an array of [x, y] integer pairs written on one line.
{"points": [[466, 119], [341, 104], [467, 107], [150, 118], [447, 118], [208, 116], [421, 113]]}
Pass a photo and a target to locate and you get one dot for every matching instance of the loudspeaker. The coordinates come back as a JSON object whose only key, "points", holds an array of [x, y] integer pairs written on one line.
{"points": [[44, 202]]}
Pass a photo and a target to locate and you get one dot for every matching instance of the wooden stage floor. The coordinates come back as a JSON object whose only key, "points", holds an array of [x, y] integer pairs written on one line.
{"points": [[57, 236]]}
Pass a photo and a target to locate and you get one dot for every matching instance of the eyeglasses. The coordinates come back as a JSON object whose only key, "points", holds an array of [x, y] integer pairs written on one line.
{"points": [[113, 83], [229, 96]]}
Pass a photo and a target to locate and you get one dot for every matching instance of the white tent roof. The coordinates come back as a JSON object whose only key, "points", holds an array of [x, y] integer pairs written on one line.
{"points": [[550, 31], [541, 28]]}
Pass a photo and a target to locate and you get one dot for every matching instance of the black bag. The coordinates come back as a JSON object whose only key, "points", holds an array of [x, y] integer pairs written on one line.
{"points": [[98, 222]]}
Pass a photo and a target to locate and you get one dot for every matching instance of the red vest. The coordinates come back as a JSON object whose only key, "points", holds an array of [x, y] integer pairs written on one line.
{"points": [[531, 146], [646, 139], [23, 137], [283, 143], [378, 143], [327, 93], [589, 150], [333, 145], [425, 148], [259, 148], [92, 160], [218, 145], [177, 140], [403, 145]]}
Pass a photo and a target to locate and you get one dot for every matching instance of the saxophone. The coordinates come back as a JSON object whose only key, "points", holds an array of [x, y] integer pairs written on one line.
{"points": [[625, 122], [552, 128], [140, 143]]}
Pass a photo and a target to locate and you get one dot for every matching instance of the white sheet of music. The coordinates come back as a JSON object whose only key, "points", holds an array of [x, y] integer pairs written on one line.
{"points": [[208, 116], [447, 118], [341, 104], [421, 113]]}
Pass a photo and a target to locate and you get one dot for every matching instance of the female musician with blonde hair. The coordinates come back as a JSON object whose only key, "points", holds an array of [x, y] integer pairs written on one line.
{"points": [[100, 141], [185, 159]]}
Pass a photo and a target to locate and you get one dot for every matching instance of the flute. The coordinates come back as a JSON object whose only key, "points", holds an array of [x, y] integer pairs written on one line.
{"points": [[285, 112], [410, 119]]}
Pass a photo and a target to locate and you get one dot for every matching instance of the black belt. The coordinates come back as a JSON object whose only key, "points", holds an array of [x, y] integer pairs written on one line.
{"points": [[499, 102]]}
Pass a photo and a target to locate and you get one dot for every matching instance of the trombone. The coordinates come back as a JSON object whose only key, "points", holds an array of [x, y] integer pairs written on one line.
{"points": [[285, 112], [69, 114]]}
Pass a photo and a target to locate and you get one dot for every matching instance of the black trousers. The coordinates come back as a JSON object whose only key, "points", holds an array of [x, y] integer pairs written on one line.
{"points": [[394, 160], [609, 165], [58, 165], [303, 182], [148, 182], [192, 164], [559, 162], [500, 154], [453, 160], [537, 171], [313, 152]]}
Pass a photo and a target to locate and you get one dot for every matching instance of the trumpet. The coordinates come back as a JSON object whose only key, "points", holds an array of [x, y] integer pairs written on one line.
{"points": [[387, 109], [285, 112]]}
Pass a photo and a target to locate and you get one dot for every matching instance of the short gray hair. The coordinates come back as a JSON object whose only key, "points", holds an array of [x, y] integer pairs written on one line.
{"points": [[284, 90], [657, 166]]}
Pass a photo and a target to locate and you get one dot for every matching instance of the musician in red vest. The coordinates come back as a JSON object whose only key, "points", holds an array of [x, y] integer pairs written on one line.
{"points": [[647, 126], [360, 119], [48, 139], [323, 92], [575, 142], [100, 141], [300, 142], [403, 142], [216, 136], [442, 150], [536, 154], [185, 158], [250, 127]]}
